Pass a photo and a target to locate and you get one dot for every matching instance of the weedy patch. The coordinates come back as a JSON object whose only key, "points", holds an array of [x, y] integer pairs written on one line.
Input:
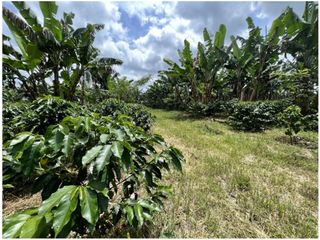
{"points": [[241, 182], [238, 184]]}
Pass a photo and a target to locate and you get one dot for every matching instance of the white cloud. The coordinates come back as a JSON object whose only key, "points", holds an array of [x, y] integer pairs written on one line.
{"points": [[165, 24]]}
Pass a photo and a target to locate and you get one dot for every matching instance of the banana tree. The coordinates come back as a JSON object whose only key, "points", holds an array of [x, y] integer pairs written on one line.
{"points": [[185, 73], [211, 57], [301, 41], [54, 48], [239, 62], [265, 54]]}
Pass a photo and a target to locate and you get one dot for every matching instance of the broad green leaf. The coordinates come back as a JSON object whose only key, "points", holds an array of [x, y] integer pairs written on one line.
{"points": [[104, 138], [30, 158], [138, 211], [6, 186], [165, 189], [206, 35], [220, 36], [49, 10], [103, 158], [130, 215], [57, 140], [175, 160], [117, 149], [89, 205], [13, 224], [62, 214], [202, 56], [148, 177], [55, 199], [17, 35], [147, 216], [31, 227], [21, 137], [91, 154], [126, 158], [250, 22], [235, 48], [27, 14], [68, 145], [149, 205]]}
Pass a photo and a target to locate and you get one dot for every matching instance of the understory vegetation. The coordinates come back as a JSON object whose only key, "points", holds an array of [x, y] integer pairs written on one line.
{"points": [[237, 154], [238, 184]]}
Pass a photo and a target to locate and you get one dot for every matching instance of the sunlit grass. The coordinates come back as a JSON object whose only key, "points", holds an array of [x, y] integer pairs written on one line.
{"points": [[237, 184]]}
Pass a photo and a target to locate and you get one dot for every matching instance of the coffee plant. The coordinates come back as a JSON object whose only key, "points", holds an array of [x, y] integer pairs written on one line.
{"points": [[310, 122], [91, 172], [212, 109], [291, 119], [9, 112], [256, 116], [38, 115], [138, 114]]}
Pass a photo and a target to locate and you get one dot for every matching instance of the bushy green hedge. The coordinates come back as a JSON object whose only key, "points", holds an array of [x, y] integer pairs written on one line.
{"points": [[256, 116], [211, 109], [138, 114], [310, 122], [38, 115], [93, 172]]}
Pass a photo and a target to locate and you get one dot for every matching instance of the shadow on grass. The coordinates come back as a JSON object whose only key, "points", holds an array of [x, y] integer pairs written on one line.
{"points": [[297, 141], [147, 230]]}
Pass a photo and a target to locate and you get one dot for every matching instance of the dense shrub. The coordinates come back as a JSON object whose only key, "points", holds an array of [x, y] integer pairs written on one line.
{"points": [[9, 112], [211, 109], [138, 114], [256, 116], [38, 115], [291, 119], [92, 172], [310, 122]]}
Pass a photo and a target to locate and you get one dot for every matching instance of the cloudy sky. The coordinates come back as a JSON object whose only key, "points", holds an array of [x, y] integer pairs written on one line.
{"points": [[143, 33]]}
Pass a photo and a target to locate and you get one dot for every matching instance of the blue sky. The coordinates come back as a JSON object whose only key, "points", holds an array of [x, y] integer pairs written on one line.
{"points": [[143, 33]]}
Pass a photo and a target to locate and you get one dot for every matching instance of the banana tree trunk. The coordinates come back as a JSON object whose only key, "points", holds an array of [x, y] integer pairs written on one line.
{"points": [[74, 84], [253, 94], [243, 93], [82, 91], [56, 83]]}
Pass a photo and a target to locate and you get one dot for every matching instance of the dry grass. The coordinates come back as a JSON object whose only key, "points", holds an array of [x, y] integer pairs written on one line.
{"points": [[237, 184], [12, 203]]}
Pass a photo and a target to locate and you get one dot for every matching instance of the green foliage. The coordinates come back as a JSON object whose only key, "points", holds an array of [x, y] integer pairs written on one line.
{"points": [[241, 182], [211, 109], [139, 115], [38, 115], [310, 122], [53, 49], [256, 116], [249, 69], [127, 90], [11, 111], [291, 119], [91, 171]]}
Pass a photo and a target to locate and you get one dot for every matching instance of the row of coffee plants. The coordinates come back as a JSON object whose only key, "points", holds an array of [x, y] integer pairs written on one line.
{"points": [[93, 170]]}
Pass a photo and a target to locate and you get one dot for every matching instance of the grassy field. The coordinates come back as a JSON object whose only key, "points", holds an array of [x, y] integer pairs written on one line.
{"points": [[237, 184]]}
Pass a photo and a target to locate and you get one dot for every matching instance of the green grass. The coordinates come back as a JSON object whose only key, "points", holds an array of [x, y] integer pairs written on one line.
{"points": [[237, 184]]}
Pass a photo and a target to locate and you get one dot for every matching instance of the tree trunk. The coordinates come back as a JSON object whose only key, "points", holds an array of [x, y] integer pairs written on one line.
{"points": [[56, 83], [73, 87], [82, 91], [243, 93], [253, 94]]}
